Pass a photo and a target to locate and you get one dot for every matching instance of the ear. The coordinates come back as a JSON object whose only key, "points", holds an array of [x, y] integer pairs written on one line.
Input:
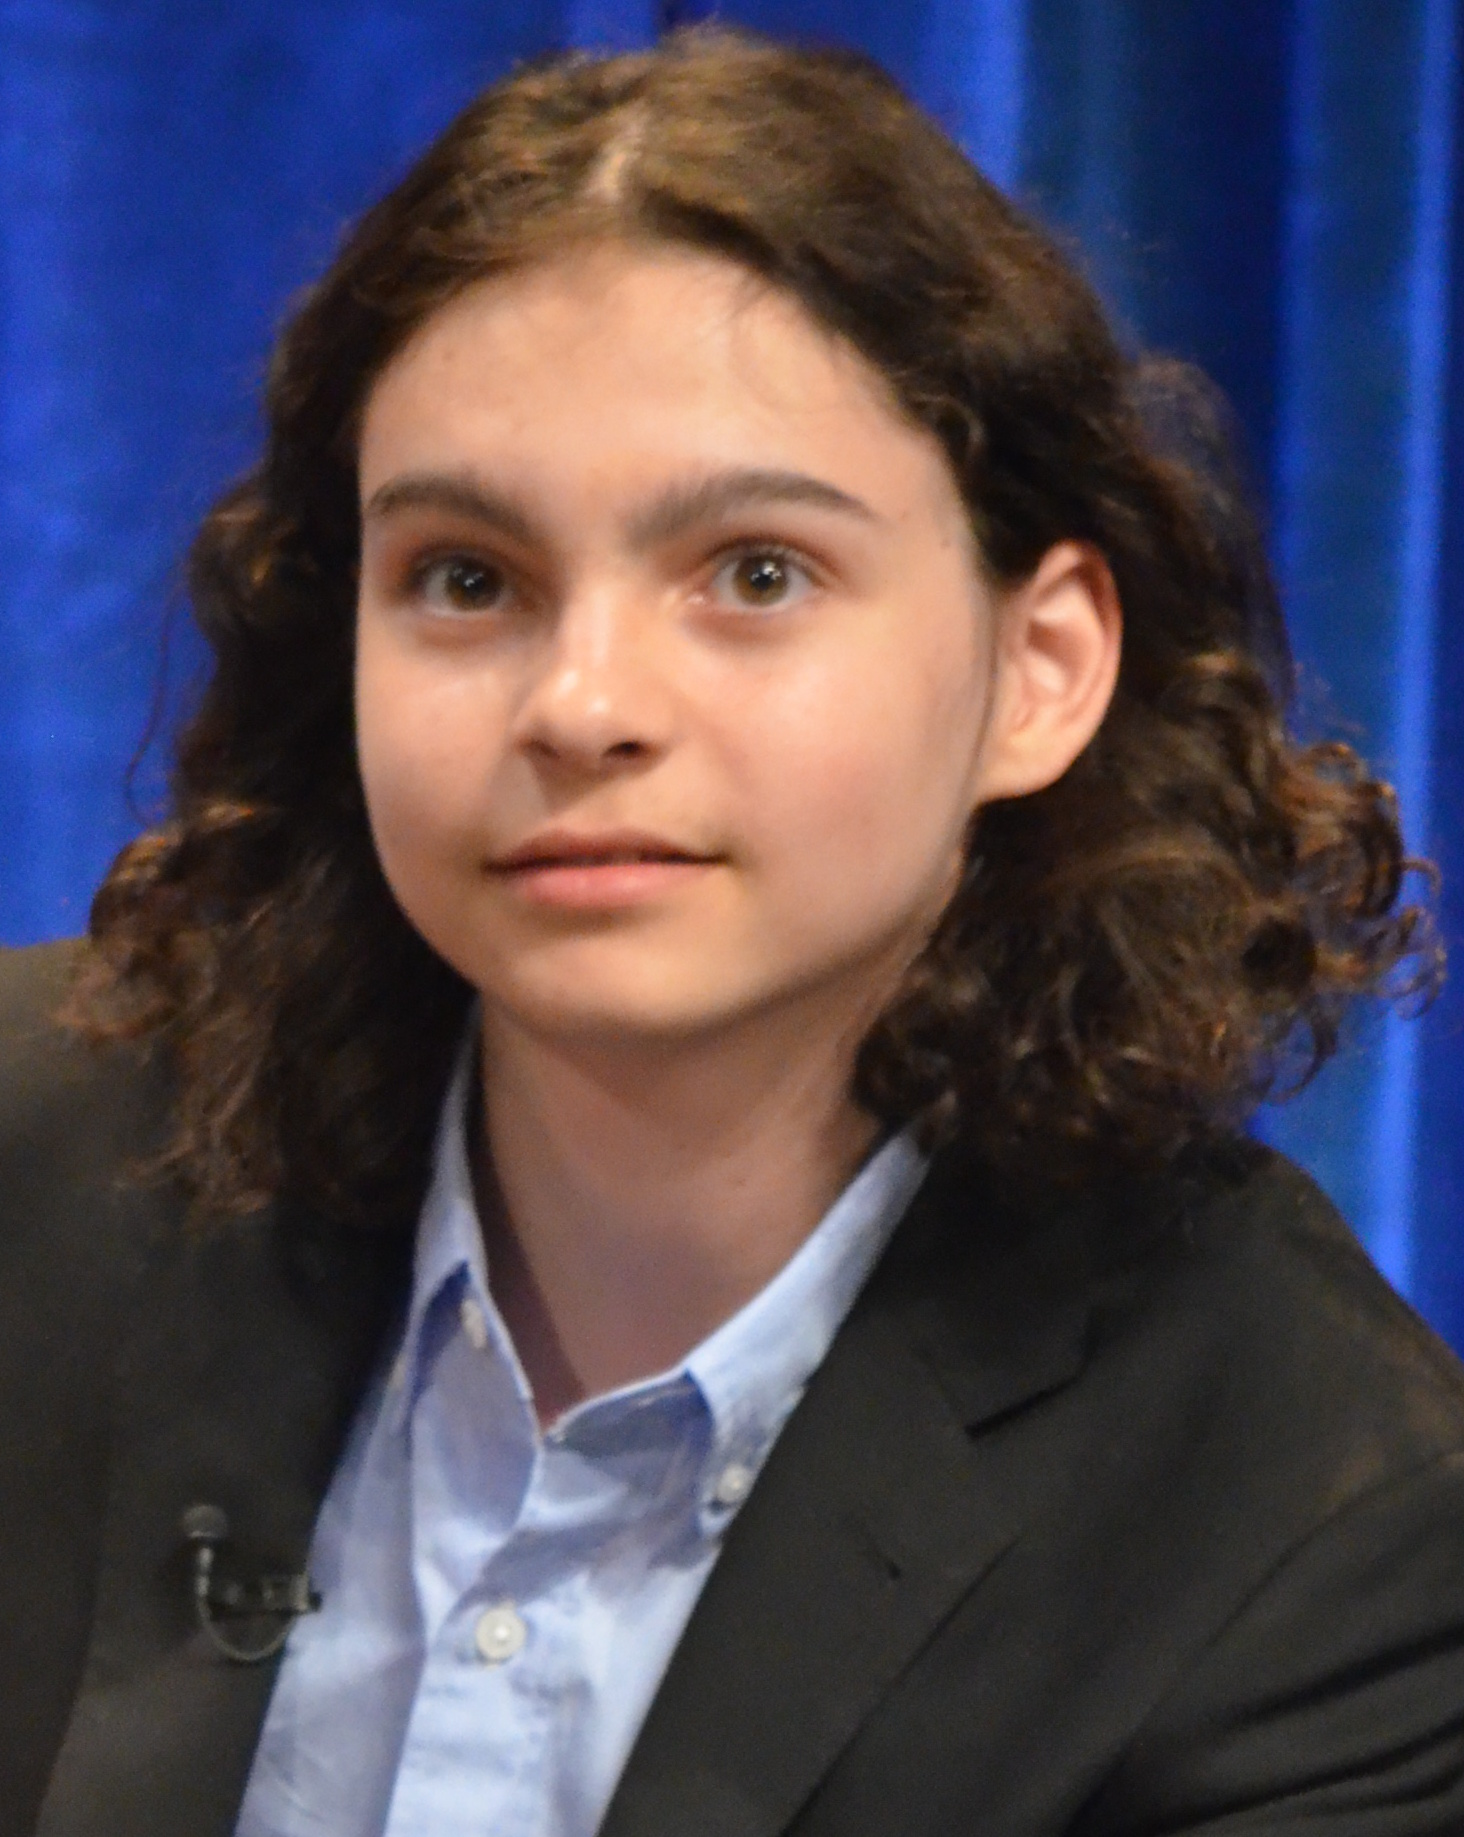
{"points": [[1058, 640]]}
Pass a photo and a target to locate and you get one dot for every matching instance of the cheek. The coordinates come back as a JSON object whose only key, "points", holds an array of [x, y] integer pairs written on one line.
{"points": [[865, 787], [425, 752]]}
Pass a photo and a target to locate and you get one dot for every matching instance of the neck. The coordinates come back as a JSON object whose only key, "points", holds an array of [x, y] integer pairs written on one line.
{"points": [[641, 1193]]}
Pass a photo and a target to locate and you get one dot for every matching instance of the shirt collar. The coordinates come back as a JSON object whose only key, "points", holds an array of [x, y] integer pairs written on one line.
{"points": [[750, 1372], [754, 1368]]}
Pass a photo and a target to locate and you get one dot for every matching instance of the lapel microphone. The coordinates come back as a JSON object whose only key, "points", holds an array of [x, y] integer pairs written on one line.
{"points": [[286, 1597]]}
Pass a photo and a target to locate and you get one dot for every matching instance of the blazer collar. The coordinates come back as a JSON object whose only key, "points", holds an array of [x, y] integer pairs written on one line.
{"points": [[248, 1348], [888, 1498]]}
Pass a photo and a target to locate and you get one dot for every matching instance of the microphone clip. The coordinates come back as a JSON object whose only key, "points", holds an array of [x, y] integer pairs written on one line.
{"points": [[286, 1597]]}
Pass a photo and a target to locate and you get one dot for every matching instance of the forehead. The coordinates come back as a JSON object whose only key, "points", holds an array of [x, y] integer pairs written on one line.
{"points": [[629, 356]]}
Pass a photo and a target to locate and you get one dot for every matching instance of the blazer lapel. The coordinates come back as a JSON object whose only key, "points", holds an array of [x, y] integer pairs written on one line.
{"points": [[248, 1349], [881, 1507]]}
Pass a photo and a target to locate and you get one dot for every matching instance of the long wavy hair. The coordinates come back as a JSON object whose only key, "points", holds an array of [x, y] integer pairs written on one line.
{"points": [[1136, 955]]}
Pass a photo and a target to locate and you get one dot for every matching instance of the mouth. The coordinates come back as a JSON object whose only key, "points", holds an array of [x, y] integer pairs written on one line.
{"points": [[606, 851], [599, 873]]}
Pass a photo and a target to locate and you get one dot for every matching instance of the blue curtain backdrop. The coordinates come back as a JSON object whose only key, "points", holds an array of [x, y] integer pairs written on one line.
{"points": [[1265, 186]]}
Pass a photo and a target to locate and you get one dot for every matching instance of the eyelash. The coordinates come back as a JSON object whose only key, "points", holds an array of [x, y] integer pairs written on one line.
{"points": [[803, 571], [419, 574], [790, 559]]}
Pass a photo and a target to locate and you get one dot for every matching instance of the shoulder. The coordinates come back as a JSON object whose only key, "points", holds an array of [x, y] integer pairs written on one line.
{"points": [[33, 983], [1241, 1496], [1234, 1352], [73, 1250], [69, 1110], [1280, 1302], [1296, 1436], [43, 1063], [76, 1122], [1267, 1381]]}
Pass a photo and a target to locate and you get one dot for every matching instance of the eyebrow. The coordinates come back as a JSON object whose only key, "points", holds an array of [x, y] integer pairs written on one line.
{"points": [[457, 493], [669, 514], [681, 507]]}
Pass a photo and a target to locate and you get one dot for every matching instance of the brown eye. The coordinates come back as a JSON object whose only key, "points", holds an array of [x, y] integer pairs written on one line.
{"points": [[761, 579], [460, 584]]}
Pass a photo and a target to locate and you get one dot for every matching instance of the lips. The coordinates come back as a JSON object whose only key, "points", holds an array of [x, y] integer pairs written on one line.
{"points": [[599, 873], [613, 848]]}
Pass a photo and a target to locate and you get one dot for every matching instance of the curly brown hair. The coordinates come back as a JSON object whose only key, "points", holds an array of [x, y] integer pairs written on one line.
{"points": [[1136, 955]]}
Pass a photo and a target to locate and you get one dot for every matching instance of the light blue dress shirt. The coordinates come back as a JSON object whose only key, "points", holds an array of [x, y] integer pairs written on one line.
{"points": [[500, 1604]]}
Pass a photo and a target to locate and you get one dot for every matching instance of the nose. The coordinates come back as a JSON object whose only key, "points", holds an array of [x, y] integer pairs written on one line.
{"points": [[596, 698]]}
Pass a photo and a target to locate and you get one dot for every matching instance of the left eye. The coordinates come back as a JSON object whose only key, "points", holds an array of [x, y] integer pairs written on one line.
{"points": [[761, 579]]}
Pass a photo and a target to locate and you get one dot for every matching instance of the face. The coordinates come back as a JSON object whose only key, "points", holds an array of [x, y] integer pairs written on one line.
{"points": [[675, 664]]}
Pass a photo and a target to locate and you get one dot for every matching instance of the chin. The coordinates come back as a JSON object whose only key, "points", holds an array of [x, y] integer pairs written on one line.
{"points": [[608, 1020], [608, 1011]]}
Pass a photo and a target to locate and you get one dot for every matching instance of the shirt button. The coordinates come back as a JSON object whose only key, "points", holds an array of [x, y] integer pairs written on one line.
{"points": [[500, 1633], [734, 1483], [475, 1326]]}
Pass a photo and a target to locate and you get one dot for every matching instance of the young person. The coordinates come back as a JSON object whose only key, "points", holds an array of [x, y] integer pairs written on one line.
{"points": [[664, 1106]]}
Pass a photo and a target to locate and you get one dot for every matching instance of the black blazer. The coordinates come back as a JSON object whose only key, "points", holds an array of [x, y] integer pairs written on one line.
{"points": [[1134, 1514]]}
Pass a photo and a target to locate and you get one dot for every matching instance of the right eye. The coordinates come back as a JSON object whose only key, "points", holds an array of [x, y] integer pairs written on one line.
{"points": [[461, 583]]}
